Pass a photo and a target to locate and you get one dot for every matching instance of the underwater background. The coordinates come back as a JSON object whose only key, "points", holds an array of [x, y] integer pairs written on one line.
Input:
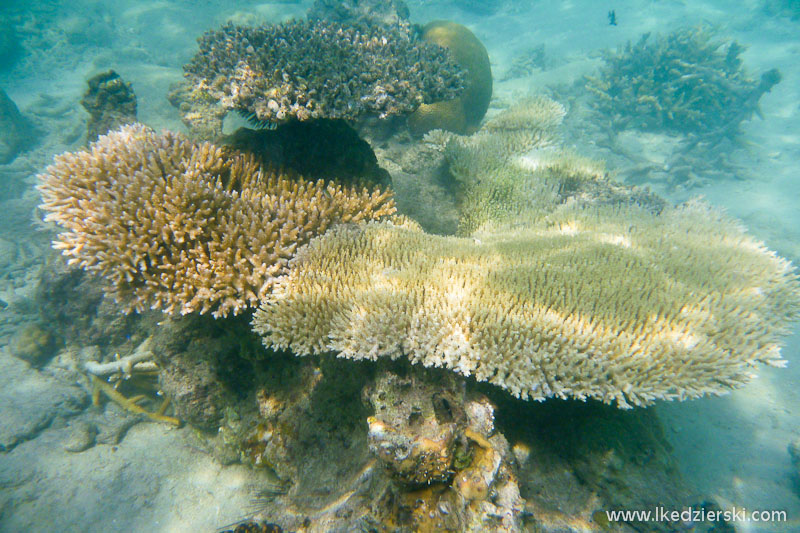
{"points": [[71, 462]]}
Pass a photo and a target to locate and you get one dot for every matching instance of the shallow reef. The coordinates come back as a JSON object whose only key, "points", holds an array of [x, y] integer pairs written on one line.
{"points": [[262, 289]]}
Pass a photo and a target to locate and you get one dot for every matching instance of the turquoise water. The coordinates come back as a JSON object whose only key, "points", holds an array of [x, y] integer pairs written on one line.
{"points": [[148, 476]]}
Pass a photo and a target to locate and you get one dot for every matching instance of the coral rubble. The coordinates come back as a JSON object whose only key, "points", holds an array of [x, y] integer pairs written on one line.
{"points": [[683, 82], [185, 227], [315, 69]]}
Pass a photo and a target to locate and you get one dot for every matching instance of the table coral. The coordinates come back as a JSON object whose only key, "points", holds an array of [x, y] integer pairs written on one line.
{"points": [[612, 303]]}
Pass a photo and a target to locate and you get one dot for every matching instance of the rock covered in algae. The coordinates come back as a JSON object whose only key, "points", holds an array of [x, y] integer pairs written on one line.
{"points": [[34, 344], [464, 113], [111, 103], [455, 471]]}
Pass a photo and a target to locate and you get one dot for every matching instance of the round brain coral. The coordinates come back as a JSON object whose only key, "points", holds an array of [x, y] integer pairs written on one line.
{"points": [[462, 114]]}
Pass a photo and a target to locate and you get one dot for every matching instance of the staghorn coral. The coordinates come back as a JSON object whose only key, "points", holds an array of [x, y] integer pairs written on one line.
{"points": [[185, 227], [683, 82], [611, 303], [316, 69]]}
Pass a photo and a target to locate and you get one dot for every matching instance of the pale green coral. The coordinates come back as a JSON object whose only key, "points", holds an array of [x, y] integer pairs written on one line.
{"points": [[514, 164], [612, 303]]}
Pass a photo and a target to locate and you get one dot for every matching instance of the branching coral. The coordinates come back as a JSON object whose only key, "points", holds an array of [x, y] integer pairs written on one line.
{"points": [[187, 227], [612, 303], [319, 69], [683, 82], [495, 183]]}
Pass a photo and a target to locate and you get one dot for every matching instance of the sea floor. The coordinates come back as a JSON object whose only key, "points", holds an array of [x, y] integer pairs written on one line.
{"points": [[155, 478]]}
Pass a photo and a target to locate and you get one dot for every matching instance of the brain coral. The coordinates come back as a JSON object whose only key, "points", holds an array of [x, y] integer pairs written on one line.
{"points": [[462, 114], [611, 303], [318, 69], [186, 227]]}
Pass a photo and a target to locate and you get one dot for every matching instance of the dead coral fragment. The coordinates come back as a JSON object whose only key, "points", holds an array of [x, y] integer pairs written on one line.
{"points": [[187, 227], [303, 70], [616, 304]]}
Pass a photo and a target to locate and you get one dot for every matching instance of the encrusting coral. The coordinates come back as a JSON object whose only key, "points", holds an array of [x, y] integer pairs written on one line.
{"points": [[612, 303], [185, 227], [316, 69]]}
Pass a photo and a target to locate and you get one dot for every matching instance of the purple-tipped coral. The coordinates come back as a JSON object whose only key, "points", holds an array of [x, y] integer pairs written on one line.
{"points": [[305, 70]]}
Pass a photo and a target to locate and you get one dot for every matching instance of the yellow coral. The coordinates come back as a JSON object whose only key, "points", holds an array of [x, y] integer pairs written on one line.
{"points": [[464, 113], [186, 227], [616, 304]]}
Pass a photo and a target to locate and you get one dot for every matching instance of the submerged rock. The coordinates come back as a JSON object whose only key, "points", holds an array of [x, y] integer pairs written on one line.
{"points": [[82, 436], [16, 132], [32, 401], [110, 102]]}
